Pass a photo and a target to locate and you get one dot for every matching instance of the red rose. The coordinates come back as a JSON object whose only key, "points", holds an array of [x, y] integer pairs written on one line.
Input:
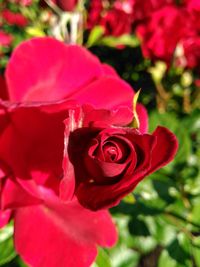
{"points": [[193, 6], [110, 160], [94, 13], [14, 18], [41, 96], [191, 48], [161, 34], [115, 17], [5, 38], [66, 5], [116, 22]]}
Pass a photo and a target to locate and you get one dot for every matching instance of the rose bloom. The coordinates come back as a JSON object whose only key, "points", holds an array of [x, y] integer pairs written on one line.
{"points": [[5, 38], [14, 18], [115, 18], [193, 6], [48, 231], [162, 33], [116, 22], [191, 48], [67, 114], [110, 160], [66, 5], [94, 13]]}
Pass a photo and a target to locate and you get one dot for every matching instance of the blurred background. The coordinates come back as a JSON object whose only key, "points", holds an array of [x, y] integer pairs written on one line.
{"points": [[155, 46]]}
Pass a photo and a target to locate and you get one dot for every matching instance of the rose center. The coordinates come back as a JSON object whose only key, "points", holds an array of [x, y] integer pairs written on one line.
{"points": [[110, 152]]}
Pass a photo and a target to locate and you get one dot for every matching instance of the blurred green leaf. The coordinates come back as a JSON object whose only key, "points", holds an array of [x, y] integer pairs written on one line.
{"points": [[102, 259], [7, 251], [121, 256], [96, 33], [165, 260], [126, 39]]}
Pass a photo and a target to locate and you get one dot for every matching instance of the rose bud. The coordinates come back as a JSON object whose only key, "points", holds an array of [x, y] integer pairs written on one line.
{"points": [[109, 160]]}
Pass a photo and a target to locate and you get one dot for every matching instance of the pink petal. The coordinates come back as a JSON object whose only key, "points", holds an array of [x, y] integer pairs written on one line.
{"points": [[44, 69], [61, 234], [121, 117], [14, 196], [108, 70], [106, 92], [4, 217]]}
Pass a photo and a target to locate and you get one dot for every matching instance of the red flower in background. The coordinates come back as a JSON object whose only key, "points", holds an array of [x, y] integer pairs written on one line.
{"points": [[191, 48], [161, 34], [116, 22], [193, 7], [66, 5], [5, 38], [14, 18], [116, 18]]}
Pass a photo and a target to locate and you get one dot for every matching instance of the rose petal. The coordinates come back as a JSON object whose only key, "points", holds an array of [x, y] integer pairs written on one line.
{"points": [[14, 196], [37, 137], [165, 149], [3, 88], [119, 117], [106, 87], [108, 70], [33, 75], [61, 234], [4, 217]]}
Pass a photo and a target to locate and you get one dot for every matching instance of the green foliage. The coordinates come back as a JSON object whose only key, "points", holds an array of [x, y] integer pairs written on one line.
{"points": [[6, 245]]}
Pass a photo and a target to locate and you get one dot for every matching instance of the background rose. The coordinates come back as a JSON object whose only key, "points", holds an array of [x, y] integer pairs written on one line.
{"points": [[14, 18], [116, 22], [109, 161], [66, 5], [170, 26]]}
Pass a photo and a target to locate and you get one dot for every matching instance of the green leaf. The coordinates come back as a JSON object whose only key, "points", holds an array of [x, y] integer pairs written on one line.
{"points": [[121, 256], [165, 260], [130, 199], [129, 40], [35, 32], [96, 33], [196, 251], [7, 252], [102, 259], [179, 250], [168, 120]]}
